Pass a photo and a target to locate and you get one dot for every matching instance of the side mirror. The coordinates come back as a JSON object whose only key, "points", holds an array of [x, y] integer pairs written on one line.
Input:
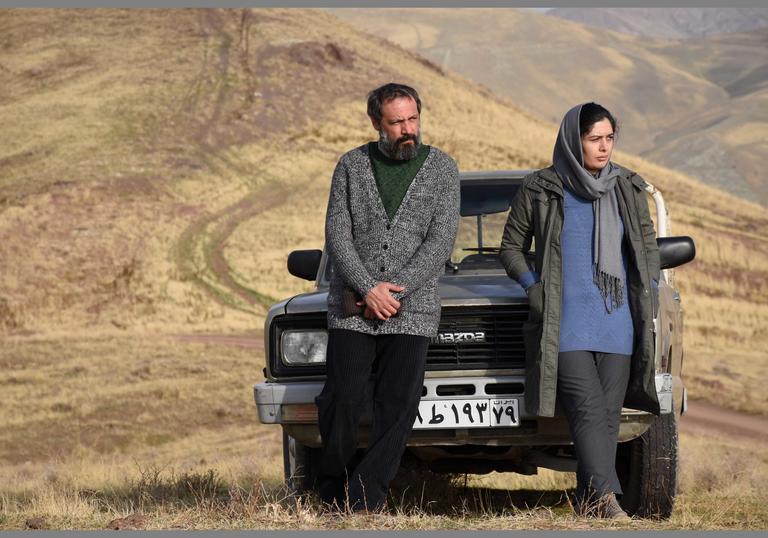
{"points": [[675, 251], [304, 263]]}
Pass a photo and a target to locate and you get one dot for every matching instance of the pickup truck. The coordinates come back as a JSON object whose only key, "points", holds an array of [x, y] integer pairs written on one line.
{"points": [[472, 417]]}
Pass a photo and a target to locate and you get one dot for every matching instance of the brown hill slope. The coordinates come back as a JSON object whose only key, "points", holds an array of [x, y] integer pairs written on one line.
{"points": [[159, 165], [120, 168]]}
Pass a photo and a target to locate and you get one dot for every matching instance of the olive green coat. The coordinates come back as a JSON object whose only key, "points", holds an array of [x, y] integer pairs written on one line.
{"points": [[536, 214]]}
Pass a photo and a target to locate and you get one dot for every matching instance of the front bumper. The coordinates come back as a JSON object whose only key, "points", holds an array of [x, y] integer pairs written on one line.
{"points": [[292, 405]]}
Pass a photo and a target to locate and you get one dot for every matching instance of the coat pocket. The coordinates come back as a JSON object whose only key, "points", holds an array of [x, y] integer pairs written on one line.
{"points": [[535, 302], [532, 331]]}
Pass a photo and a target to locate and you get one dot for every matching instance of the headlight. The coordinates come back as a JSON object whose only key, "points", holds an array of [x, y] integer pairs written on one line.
{"points": [[303, 346]]}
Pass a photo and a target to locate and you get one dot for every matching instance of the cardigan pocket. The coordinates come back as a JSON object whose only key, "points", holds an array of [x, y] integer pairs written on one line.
{"points": [[424, 300]]}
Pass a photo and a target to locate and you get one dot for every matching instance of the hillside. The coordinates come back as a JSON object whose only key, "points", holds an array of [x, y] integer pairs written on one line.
{"points": [[678, 102], [668, 23], [159, 165], [727, 143], [137, 141], [546, 64]]}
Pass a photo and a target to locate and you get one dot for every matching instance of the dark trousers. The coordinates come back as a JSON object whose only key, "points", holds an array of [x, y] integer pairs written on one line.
{"points": [[591, 388], [399, 380]]}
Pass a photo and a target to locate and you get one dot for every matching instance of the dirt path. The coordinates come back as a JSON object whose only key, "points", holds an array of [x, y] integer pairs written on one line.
{"points": [[242, 340], [200, 248], [708, 419], [208, 236], [223, 224]]}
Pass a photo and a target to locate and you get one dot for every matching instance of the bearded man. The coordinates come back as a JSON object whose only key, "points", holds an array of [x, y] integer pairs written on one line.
{"points": [[392, 219]]}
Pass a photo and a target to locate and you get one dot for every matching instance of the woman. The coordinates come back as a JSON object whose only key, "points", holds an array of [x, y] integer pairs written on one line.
{"points": [[592, 294]]}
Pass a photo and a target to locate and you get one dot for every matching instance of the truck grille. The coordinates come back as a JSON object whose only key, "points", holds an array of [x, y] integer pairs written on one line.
{"points": [[503, 338]]}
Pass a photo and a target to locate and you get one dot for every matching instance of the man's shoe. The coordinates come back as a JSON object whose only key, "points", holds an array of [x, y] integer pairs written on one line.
{"points": [[332, 491]]}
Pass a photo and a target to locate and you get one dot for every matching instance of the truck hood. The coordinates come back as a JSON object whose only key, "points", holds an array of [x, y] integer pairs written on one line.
{"points": [[463, 289]]}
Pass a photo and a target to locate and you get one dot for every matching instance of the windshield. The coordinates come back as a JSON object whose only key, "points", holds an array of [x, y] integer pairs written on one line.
{"points": [[467, 246], [484, 208]]}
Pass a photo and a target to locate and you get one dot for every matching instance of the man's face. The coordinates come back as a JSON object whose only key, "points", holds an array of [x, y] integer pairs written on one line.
{"points": [[399, 127]]}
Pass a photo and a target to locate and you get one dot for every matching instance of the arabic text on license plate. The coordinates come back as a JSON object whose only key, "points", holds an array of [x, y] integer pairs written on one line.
{"points": [[473, 413]]}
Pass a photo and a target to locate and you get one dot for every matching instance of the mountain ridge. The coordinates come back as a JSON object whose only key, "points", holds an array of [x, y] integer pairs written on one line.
{"points": [[668, 23], [545, 64]]}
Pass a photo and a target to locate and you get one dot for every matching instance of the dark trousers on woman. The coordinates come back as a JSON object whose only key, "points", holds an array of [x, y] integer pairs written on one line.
{"points": [[591, 388], [397, 389]]}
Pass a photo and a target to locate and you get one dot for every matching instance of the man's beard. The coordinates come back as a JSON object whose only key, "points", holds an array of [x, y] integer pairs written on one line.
{"points": [[398, 149]]}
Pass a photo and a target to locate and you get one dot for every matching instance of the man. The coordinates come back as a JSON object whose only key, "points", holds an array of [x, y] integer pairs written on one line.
{"points": [[391, 223]]}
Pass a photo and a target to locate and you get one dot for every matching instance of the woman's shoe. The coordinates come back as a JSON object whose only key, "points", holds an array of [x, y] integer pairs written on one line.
{"points": [[606, 507], [609, 508]]}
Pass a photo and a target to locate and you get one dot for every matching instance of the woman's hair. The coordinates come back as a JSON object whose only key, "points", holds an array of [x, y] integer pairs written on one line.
{"points": [[590, 114]]}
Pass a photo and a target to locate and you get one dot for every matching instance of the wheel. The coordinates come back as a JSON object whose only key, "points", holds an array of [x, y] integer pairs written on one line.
{"points": [[300, 464], [648, 470]]}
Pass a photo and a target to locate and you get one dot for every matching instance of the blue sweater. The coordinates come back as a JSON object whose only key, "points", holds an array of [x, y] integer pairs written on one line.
{"points": [[585, 325]]}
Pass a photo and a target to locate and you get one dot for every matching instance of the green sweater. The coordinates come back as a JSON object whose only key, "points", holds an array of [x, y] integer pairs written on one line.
{"points": [[394, 177]]}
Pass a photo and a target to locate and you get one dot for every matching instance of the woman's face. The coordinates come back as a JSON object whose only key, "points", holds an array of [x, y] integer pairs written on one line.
{"points": [[597, 146]]}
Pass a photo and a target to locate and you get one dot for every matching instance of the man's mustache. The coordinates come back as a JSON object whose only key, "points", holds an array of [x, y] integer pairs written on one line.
{"points": [[405, 138]]}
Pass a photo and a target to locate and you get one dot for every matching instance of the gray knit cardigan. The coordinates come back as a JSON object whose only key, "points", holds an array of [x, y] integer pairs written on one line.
{"points": [[366, 247]]}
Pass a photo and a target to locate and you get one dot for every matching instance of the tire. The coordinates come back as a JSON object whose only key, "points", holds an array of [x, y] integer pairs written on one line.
{"points": [[648, 470], [300, 464]]}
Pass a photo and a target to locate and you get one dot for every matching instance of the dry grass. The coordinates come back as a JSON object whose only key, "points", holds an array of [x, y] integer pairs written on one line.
{"points": [[235, 492], [118, 393], [116, 437]]}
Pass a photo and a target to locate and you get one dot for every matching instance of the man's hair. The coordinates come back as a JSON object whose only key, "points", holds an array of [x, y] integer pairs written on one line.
{"points": [[386, 93]]}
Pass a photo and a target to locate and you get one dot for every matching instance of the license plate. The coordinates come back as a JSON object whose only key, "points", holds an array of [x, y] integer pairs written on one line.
{"points": [[473, 413]]}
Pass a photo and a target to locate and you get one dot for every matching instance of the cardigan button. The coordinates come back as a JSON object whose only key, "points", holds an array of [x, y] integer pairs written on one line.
{"points": [[385, 246], [382, 268], [389, 226]]}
